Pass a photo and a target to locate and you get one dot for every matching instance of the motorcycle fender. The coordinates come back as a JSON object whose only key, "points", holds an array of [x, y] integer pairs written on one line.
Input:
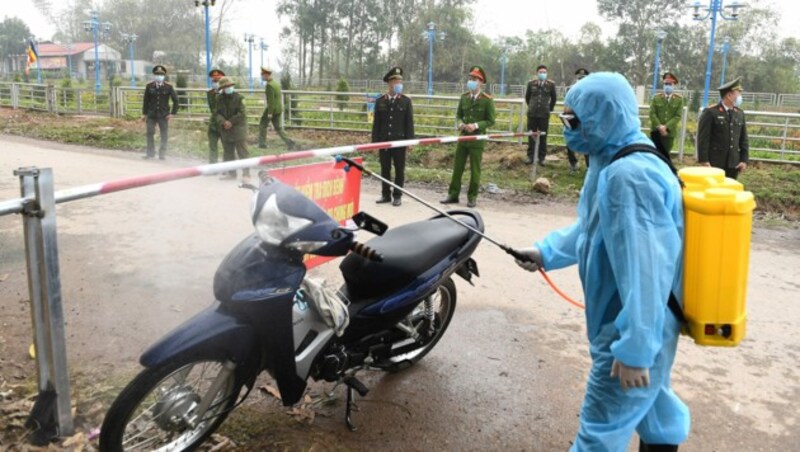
{"points": [[209, 334], [467, 269]]}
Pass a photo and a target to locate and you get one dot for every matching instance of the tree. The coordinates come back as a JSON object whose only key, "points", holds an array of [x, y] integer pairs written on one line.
{"points": [[14, 34], [638, 21]]}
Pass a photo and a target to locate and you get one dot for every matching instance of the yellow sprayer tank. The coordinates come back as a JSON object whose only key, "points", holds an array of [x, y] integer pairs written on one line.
{"points": [[718, 223]]}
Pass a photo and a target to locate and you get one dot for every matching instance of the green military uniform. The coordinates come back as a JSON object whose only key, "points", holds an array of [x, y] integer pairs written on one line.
{"points": [[722, 135], [666, 109], [471, 110], [213, 129], [272, 114], [230, 107]]}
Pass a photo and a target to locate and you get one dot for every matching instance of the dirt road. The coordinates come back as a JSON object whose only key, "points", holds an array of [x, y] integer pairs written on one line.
{"points": [[508, 375]]}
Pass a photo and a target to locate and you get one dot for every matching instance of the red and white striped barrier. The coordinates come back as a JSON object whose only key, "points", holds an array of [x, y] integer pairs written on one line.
{"points": [[88, 191]]}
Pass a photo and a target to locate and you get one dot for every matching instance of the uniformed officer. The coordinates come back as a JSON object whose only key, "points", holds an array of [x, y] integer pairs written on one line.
{"points": [[230, 115], [573, 160], [213, 128], [722, 133], [665, 115], [540, 95], [393, 120], [272, 111], [156, 110], [475, 115]]}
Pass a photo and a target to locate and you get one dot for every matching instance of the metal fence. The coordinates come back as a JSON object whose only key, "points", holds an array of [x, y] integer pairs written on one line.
{"points": [[774, 136]]}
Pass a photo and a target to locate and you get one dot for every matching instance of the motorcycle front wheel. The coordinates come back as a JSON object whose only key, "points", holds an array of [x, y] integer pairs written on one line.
{"points": [[425, 325], [158, 409]]}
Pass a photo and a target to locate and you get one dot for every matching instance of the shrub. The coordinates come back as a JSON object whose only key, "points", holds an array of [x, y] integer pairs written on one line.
{"points": [[342, 87]]}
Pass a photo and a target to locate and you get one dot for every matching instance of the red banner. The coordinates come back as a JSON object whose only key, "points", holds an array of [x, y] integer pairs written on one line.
{"points": [[327, 184]]}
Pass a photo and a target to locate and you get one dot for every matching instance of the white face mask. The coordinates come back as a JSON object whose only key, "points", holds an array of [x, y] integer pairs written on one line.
{"points": [[228, 90], [215, 85], [159, 78]]}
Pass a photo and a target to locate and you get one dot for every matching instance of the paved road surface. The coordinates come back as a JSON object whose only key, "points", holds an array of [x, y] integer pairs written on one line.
{"points": [[508, 375]]}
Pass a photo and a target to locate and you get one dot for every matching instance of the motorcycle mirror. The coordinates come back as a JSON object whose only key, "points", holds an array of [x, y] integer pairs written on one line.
{"points": [[369, 223]]}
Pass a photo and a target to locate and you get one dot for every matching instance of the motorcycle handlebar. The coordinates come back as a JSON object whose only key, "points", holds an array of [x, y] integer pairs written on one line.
{"points": [[365, 251]]}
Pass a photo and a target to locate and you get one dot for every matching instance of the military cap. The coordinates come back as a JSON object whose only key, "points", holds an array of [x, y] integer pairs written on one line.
{"points": [[582, 72], [216, 72], [735, 84], [477, 71], [225, 81], [670, 75], [159, 70], [394, 73], [541, 66], [265, 69]]}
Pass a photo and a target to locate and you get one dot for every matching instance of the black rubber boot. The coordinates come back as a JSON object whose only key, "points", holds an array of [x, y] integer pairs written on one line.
{"points": [[657, 447]]}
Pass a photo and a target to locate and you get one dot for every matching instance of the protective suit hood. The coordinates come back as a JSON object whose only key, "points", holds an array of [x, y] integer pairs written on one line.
{"points": [[606, 106]]}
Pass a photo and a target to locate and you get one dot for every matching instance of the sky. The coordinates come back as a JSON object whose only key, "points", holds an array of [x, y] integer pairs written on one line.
{"points": [[492, 17]]}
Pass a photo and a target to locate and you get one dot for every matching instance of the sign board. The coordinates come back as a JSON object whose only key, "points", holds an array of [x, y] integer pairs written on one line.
{"points": [[337, 192]]}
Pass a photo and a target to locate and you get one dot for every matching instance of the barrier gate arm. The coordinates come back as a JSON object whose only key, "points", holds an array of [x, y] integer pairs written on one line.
{"points": [[51, 415]]}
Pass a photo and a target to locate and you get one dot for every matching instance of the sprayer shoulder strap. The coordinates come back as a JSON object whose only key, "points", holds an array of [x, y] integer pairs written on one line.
{"points": [[628, 150], [672, 303]]}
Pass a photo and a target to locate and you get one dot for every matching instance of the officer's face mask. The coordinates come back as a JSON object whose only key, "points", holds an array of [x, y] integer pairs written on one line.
{"points": [[542, 76], [472, 85], [215, 85], [397, 88], [228, 90], [159, 78], [738, 101], [669, 88]]}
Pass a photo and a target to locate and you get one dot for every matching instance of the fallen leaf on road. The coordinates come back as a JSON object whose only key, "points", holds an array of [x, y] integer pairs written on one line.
{"points": [[271, 391]]}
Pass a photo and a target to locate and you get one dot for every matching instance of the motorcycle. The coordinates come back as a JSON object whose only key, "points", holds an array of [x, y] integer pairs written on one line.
{"points": [[396, 302]]}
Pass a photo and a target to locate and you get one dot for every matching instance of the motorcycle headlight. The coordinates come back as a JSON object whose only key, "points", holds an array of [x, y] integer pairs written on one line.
{"points": [[273, 225]]}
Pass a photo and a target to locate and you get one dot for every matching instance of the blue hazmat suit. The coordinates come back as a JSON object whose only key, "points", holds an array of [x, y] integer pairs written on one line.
{"points": [[627, 243]]}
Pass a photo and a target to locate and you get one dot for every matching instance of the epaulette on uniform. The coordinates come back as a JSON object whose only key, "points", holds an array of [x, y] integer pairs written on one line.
{"points": [[486, 95]]}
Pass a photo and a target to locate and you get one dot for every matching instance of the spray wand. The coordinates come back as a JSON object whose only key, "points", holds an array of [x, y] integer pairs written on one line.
{"points": [[514, 253]]}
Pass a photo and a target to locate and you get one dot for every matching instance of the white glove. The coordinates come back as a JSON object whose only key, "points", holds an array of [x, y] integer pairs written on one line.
{"points": [[630, 377], [535, 259]]}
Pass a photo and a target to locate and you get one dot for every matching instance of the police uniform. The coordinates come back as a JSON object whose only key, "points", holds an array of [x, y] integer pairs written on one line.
{"points": [[477, 110], [573, 160], [722, 134], [393, 120], [272, 113], [230, 107], [155, 108], [665, 110], [540, 95], [213, 129]]}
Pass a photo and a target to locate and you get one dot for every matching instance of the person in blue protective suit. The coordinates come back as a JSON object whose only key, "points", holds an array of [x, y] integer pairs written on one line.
{"points": [[627, 243]]}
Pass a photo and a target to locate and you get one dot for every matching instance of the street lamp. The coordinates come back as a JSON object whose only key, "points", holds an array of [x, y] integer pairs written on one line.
{"points": [[94, 25], [660, 35], [724, 48], [263, 46], [250, 39], [430, 35], [130, 39], [206, 4], [714, 7], [503, 73]]}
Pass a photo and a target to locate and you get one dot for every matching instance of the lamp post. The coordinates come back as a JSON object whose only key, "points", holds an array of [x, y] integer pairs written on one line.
{"points": [[263, 47], [714, 7], [130, 39], [660, 35], [205, 4], [724, 48], [503, 73], [35, 44], [430, 34], [68, 46], [94, 25], [250, 39]]}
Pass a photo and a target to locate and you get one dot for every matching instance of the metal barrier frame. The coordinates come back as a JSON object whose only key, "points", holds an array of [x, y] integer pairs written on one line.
{"points": [[51, 415]]}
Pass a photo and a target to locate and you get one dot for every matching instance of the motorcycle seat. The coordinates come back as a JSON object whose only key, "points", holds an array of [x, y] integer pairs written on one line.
{"points": [[408, 251]]}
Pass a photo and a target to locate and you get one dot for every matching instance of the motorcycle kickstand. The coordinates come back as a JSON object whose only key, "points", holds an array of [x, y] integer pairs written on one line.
{"points": [[352, 384]]}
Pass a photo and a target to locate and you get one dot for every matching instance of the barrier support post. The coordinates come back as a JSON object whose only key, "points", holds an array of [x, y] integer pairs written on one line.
{"points": [[51, 415]]}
